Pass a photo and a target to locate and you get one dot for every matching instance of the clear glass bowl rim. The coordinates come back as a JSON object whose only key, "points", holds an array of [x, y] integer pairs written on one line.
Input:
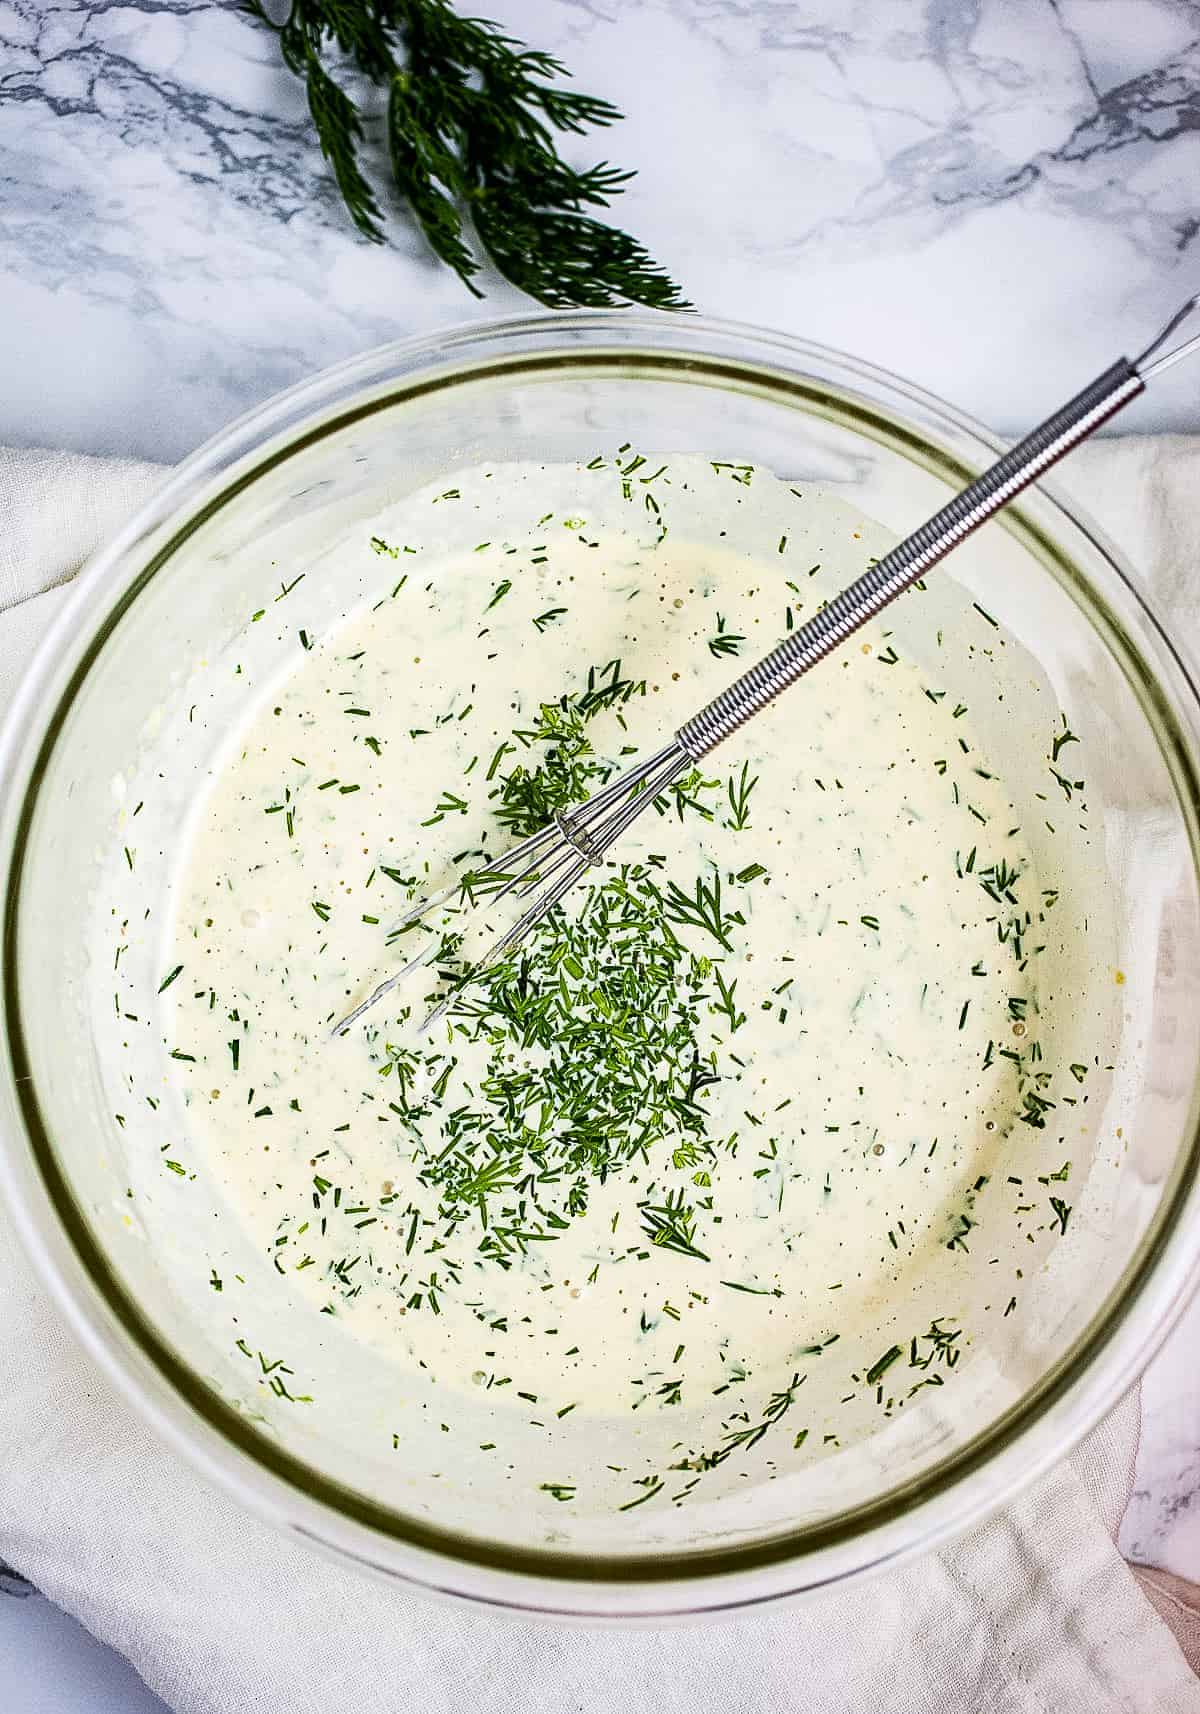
{"points": [[910, 1519]]}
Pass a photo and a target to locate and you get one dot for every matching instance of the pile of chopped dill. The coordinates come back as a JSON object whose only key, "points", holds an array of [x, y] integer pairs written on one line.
{"points": [[597, 1033]]}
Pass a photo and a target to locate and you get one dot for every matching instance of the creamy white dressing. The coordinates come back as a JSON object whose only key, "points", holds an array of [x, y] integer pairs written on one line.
{"points": [[870, 1035]]}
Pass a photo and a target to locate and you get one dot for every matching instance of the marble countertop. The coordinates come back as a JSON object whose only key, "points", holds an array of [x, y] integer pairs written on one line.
{"points": [[994, 197]]}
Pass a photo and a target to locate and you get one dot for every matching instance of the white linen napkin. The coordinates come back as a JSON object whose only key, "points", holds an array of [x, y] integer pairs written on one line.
{"points": [[1033, 1612]]}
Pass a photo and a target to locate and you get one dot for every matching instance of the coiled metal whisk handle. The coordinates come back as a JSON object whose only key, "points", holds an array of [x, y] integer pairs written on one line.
{"points": [[912, 558]]}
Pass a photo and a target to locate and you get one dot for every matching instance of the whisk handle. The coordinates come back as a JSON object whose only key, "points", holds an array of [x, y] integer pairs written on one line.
{"points": [[910, 559]]}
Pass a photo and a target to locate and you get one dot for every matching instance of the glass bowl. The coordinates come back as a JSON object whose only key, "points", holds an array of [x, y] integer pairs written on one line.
{"points": [[130, 1255]]}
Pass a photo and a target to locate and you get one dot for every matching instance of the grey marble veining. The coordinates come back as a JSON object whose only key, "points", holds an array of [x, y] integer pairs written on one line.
{"points": [[991, 196], [1162, 1522]]}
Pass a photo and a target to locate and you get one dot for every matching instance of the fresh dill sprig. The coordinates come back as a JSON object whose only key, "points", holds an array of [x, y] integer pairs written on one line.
{"points": [[740, 788], [701, 909], [565, 769], [672, 1225], [725, 642], [744, 1438], [686, 794], [471, 122]]}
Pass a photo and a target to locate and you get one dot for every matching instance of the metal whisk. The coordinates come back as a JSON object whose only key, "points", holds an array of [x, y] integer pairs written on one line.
{"points": [[549, 862]]}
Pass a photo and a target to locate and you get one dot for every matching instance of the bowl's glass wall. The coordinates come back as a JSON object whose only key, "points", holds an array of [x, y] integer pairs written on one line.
{"points": [[1084, 646]]}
